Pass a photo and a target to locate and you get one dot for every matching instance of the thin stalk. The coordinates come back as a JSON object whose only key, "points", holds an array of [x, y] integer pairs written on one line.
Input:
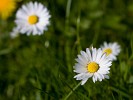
{"points": [[67, 33], [113, 96], [67, 17], [72, 91], [78, 37], [68, 11]]}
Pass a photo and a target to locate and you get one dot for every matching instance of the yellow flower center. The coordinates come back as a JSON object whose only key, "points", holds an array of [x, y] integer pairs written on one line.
{"points": [[6, 8], [33, 19], [92, 67], [108, 51]]}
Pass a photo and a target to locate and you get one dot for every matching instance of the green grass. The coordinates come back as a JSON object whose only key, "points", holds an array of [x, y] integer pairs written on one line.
{"points": [[41, 67]]}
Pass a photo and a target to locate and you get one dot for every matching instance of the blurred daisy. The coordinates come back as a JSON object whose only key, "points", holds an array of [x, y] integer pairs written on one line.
{"points": [[14, 33], [6, 8], [111, 49], [32, 18], [92, 63]]}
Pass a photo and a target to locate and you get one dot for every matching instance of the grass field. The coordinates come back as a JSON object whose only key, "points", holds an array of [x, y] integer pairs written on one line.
{"points": [[40, 67]]}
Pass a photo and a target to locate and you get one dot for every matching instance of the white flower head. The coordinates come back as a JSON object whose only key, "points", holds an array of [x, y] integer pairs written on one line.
{"points": [[32, 18], [111, 49], [92, 63]]}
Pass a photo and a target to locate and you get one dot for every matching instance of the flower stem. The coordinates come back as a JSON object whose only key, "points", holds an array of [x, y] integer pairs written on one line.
{"points": [[72, 91], [68, 6], [78, 37]]}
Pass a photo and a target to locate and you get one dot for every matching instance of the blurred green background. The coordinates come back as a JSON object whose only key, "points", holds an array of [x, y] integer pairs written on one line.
{"points": [[41, 67]]}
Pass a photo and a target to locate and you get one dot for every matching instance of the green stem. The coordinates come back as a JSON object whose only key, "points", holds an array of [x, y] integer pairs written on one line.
{"points": [[67, 17], [72, 91], [68, 10], [78, 37], [67, 33]]}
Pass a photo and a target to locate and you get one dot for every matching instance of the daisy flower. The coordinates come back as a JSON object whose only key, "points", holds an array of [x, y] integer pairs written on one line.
{"points": [[111, 49], [6, 8], [92, 63], [32, 18]]}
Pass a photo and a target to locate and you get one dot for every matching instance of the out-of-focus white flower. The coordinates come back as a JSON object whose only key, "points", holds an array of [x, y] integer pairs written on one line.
{"points": [[111, 49], [14, 33], [32, 18]]}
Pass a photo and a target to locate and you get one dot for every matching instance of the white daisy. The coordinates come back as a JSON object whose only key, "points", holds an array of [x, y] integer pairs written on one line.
{"points": [[92, 63], [111, 49], [32, 18]]}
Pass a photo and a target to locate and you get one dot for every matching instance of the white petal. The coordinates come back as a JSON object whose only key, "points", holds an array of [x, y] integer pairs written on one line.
{"points": [[94, 53], [93, 78], [84, 81], [106, 76], [89, 54]]}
